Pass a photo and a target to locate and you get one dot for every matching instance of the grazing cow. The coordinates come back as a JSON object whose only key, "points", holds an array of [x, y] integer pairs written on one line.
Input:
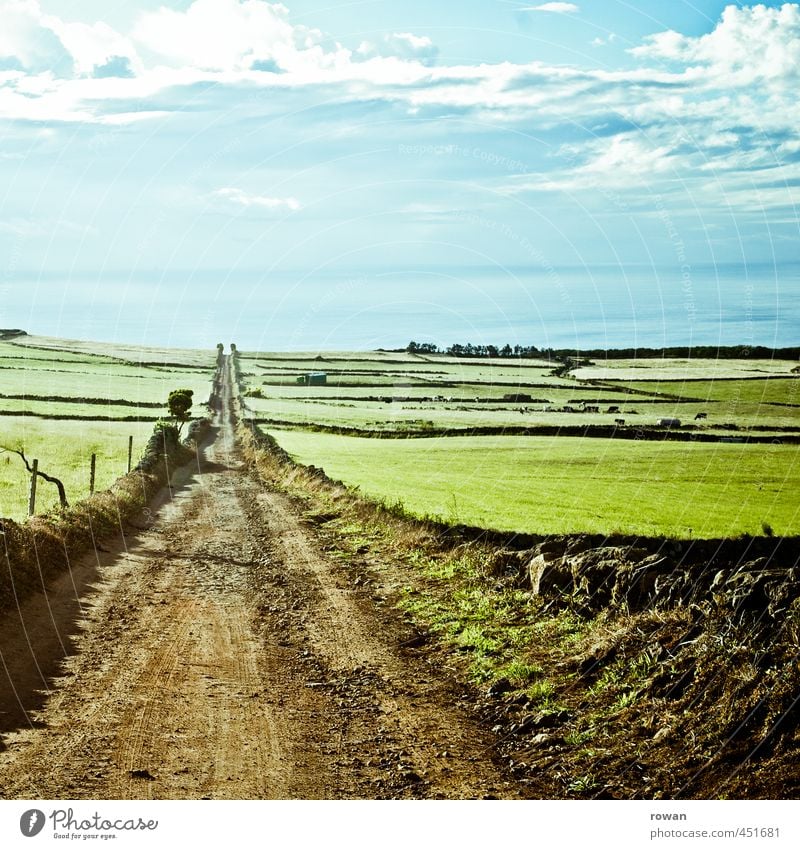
{"points": [[612, 410], [619, 422], [701, 416]]}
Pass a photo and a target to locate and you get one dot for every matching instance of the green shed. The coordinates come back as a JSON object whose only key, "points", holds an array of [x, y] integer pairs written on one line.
{"points": [[313, 378]]}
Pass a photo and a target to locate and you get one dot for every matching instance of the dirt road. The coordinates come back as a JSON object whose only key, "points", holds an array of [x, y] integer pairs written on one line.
{"points": [[219, 652]]}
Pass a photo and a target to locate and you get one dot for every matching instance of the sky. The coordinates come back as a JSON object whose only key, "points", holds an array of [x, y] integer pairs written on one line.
{"points": [[320, 137]]}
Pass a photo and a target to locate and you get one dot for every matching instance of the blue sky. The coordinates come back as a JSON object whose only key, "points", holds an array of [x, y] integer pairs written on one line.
{"points": [[237, 134]]}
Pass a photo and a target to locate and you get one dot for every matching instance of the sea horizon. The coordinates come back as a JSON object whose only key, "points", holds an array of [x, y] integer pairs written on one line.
{"points": [[596, 307]]}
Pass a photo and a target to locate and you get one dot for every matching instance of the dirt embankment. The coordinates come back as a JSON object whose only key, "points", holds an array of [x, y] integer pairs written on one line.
{"points": [[217, 651]]}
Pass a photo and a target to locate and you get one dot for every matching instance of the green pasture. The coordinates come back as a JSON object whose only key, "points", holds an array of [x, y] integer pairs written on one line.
{"points": [[61, 348], [58, 378], [406, 367], [332, 392], [336, 380], [772, 402], [342, 365], [70, 408], [554, 485], [329, 356], [463, 412], [135, 385], [378, 415], [776, 390], [681, 369], [35, 372], [64, 449], [422, 390], [502, 362], [515, 372], [13, 355], [452, 393]]}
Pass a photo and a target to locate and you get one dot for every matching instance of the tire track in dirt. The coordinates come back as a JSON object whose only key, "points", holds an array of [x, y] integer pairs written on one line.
{"points": [[441, 752], [134, 746]]}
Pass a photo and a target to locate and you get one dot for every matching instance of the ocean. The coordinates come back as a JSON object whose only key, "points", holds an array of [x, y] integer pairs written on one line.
{"points": [[601, 307]]}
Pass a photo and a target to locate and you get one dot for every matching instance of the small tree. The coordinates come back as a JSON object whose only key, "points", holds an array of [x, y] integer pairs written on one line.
{"points": [[179, 404], [62, 493]]}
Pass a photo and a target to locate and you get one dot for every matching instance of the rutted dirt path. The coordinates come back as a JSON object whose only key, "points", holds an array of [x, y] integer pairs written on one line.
{"points": [[220, 653]]}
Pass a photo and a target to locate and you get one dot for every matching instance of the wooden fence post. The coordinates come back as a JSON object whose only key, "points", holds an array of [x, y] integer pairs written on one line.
{"points": [[91, 474], [32, 497], [130, 452]]}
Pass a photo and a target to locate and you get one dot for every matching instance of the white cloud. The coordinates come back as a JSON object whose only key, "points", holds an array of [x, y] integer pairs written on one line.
{"points": [[561, 8], [722, 139], [749, 43], [789, 147], [41, 43], [401, 45], [94, 46], [600, 42], [217, 34], [239, 198], [26, 41], [624, 162], [726, 95], [631, 157], [235, 35]]}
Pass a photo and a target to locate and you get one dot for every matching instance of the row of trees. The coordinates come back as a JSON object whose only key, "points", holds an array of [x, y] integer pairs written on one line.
{"points": [[756, 352], [475, 351]]}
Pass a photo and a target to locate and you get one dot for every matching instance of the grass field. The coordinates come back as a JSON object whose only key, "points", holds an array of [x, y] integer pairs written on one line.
{"points": [[544, 484], [56, 396], [408, 392], [558, 484], [110, 351], [404, 368], [404, 415], [554, 485], [97, 379], [74, 408], [33, 367], [776, 390], [682, 369], [63, 450]]}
